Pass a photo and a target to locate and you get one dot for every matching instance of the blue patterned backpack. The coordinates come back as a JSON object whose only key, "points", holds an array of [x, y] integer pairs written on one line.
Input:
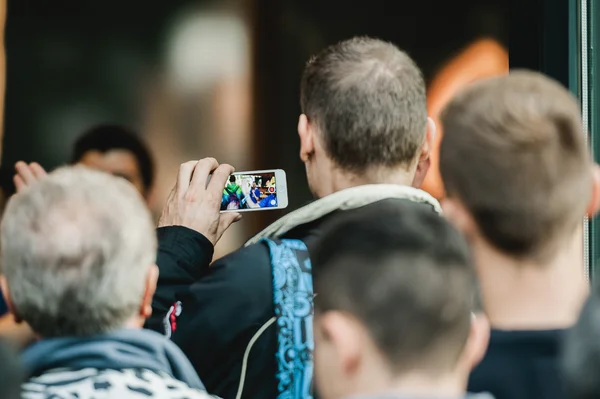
{"points": [[293, 301]]}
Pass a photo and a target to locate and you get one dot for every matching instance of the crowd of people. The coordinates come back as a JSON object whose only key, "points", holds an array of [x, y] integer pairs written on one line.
{"points": [[374, 290]]}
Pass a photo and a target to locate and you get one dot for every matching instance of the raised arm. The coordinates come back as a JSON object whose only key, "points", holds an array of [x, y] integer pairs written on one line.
{"points": [[190, 226]]}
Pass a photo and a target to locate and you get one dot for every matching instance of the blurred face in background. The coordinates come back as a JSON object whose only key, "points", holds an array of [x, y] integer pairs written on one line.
{"points": [[117, 162]]}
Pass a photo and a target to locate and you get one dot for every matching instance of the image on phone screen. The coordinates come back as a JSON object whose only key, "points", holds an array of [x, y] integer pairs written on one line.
{"points": [[250, 192]]}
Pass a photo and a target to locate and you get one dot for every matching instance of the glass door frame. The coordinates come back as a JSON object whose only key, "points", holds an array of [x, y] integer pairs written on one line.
{"points": [[587, 40]]}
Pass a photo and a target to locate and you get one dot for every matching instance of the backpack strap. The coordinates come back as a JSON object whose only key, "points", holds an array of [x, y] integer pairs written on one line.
{"points": [[293, 302]]}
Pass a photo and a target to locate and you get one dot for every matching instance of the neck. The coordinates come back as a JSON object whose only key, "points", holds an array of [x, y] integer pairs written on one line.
{"points": [[331, 180], [135, 323], [529, 295], [413, 385]]}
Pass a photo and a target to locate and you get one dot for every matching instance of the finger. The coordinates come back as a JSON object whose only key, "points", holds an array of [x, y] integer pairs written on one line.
{"points": [[37, 170], [226, 220], [203, 169], [185, 176], [19, 183], [219, 179], [24, 171]]}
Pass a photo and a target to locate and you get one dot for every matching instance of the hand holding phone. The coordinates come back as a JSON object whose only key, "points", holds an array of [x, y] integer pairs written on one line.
{"points": [[255, 191], [195, 204]]}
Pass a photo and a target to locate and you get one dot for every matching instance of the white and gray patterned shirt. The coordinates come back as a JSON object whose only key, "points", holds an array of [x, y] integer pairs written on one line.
{"points": [[108, 384]]}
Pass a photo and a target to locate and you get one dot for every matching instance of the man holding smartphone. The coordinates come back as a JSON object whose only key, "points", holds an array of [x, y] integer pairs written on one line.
{"points": [[365, 138]]}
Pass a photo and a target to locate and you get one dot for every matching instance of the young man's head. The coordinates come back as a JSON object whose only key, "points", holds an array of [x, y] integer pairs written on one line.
{"points": [[78, 253], [515, 164], [395, 292], [364, 115], [119, 151]]}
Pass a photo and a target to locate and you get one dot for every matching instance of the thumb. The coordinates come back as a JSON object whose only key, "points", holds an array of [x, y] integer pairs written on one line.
{"points": [[226, 220]]}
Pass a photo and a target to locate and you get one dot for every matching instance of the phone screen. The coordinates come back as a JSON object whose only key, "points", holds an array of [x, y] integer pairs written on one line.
{"points": [[250, 191]]}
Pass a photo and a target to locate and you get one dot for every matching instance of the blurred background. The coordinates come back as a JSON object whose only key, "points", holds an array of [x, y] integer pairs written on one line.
{"points": [[200, 78]]}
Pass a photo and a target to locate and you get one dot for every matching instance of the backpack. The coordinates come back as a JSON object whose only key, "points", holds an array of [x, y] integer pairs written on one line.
{"points": [[293, 302]]}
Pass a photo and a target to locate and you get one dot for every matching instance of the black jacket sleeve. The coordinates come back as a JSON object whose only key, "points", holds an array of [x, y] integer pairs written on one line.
{"points": [[220, 313], [184, 256]]}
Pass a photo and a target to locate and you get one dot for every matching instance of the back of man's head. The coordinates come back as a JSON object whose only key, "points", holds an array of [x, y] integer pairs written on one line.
{"points": [[77, 248], [393, 283], [514, 155], [368, 100]]}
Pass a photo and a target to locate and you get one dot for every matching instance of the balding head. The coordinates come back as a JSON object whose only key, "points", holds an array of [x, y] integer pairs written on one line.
{"points": [[368, 100]]}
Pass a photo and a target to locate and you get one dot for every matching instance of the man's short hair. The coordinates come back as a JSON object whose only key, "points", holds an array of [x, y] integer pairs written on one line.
{"points": [[104, 138], [514, 153], [581, 354], [406, 275], [368, 100], [76, 250]]}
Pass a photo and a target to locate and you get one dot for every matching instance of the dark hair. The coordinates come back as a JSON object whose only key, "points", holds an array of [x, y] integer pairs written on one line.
{"points": [[106, 138], [514, 153], [368, 99], [581, 353], [406, 274], [11, 372], [7, 183], [232, 179]]}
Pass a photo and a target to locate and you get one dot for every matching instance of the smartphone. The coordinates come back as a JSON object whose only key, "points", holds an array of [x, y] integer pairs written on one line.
{"points": [[260, 190]]}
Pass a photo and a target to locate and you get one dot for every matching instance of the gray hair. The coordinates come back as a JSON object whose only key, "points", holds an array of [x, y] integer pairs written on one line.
{"points": [[76, 250]]}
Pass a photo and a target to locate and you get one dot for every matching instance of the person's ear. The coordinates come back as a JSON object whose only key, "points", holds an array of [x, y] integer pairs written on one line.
{"points": [[457, 214], [421, 173], [594, 204], [427, 146], [150, 289], [307, 139], [424, 160], [478, 341], [342, 332], [8, 299]]}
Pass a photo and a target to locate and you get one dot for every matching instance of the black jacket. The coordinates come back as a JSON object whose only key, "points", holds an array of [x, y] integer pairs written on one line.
{"points": [[521, 365], [223, 307]]}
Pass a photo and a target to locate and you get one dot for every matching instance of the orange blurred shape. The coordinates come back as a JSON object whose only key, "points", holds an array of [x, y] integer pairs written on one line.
{"points": [[481, 59]]}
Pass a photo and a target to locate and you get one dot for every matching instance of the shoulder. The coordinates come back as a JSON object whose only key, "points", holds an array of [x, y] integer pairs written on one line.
{"points": [[245, 273], [238, 285]]}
